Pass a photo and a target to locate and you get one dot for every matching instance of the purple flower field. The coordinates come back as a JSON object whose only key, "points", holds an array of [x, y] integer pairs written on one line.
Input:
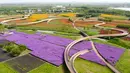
{"points": [[51, 48]]}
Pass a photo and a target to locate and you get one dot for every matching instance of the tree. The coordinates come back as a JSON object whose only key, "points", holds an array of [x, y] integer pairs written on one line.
{"points": [[15, 51], [22, 47]]}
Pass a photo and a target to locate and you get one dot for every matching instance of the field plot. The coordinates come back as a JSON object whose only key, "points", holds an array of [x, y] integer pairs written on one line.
{"points": [[85, 24], [60, 21], [19, 21], [25, 63], [42, 48], [4, 68], [49, 68], [44, 24], [36, 17], [32, 18], [78, 23], [110, 24], [122, 21], [3, 55], [115, 17], [67, 14], [109, 31], [5, 17]]}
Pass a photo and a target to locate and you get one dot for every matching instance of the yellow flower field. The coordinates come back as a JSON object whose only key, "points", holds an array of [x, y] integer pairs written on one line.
{"points": [[35, 17], [113, 16], [67, 14]]}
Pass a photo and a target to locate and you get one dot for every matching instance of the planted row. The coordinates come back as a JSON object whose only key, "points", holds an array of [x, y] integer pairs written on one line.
{"points": [[123, 43], [123, 26]]}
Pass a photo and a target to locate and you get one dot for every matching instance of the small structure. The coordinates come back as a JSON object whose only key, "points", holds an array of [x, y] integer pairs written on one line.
{"points": [[59, 9]]}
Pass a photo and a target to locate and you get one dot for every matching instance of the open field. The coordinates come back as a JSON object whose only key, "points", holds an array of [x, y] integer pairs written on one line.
{"points": [[86, 66], [70, 37], [36, 17], [67, 15], [6, 17], [32, 64], [44, 24], [20, 21], [78, 23], [24, 63], [5, 68], [32, 18], [45, 68], [115, 17]]}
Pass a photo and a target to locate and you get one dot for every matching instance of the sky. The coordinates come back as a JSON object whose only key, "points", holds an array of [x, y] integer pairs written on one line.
{"points": [[43, 1]]}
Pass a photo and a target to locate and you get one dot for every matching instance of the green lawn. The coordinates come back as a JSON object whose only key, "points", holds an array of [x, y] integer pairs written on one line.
{"points": [[57, 21], [4, 68], [91, 31], [26, 31], [84, 66], [123, 64], [49, 68]]}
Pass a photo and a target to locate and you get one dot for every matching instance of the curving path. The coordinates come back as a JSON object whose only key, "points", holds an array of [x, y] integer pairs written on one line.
{"points": [[4, 22], [70, 61]]}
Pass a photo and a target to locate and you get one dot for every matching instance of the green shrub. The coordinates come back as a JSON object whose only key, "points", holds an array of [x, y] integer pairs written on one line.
{"points": [[14, 49], [65, 16], [123, 43], [105, 19], [22, 47], [8, 48], [71, 20], [123, 26], [1, 45]]}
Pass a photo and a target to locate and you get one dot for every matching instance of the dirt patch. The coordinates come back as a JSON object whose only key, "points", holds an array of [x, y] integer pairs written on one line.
{"points": [[110, 24], [86, 23], [65, 21], [122, 21], [1, 19], [25, 63], [44, 24], [109, 31], [4, 55], [19, 21]]}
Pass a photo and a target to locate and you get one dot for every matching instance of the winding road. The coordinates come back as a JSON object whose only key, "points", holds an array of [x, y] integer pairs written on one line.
{"points": [[70, 61]]}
